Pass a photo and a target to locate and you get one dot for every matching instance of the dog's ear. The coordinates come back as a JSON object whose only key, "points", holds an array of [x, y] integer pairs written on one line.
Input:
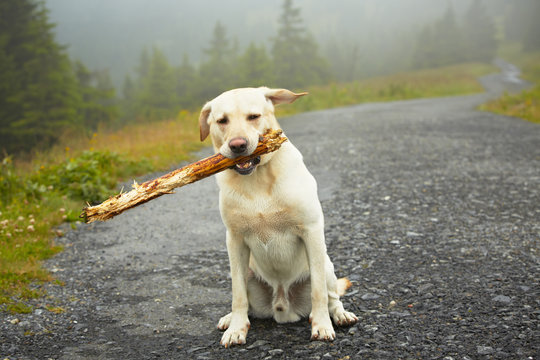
{"points": [[204, 127], [281, 96]]}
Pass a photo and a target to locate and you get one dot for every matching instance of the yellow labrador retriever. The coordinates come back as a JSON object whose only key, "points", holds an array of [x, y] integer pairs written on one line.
{"points": [[275, 226]]}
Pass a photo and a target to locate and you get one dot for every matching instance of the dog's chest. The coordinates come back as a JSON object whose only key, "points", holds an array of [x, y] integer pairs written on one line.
{"points": [[261, 219]]}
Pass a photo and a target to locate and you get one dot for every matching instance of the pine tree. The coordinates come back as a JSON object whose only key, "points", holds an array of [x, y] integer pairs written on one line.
{"points": [[296, 60], [129, 93], [98, 105], [344, 58], [255, 67], [215, 74], [157, 98], [479, 31], [425, 53], [440, 43], [531, 40], [186, 77], [38, 95], [144, 64], [448, 40]]}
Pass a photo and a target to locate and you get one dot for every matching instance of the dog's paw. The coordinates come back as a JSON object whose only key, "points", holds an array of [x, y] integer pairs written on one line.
{"points": [[224, 322], [322, 330], [234, 336], [344, 318]]}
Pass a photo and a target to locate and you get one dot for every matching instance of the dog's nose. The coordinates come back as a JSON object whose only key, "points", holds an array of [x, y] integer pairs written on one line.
{"points": [[238, 145]]}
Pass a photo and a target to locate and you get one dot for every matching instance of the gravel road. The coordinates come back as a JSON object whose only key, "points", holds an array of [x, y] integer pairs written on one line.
{"points": [[432, 210]]}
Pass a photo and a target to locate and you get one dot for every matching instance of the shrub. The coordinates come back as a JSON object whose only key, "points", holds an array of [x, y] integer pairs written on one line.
{"points": [[10, 183], [90, 177]]}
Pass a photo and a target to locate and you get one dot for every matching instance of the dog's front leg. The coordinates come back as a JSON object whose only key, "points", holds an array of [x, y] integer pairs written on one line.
{"points": [[321, 325], [239, 262]]}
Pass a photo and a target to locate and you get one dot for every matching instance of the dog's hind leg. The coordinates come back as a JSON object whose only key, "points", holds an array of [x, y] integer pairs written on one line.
{"points": [[259, 297], [337, 287]]}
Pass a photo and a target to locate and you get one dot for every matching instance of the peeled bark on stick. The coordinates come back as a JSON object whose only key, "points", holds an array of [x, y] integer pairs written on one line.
{"points": [[270, 141]]}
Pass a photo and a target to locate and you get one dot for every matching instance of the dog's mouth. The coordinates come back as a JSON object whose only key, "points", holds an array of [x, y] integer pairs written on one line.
{"points": [[247, 167]]}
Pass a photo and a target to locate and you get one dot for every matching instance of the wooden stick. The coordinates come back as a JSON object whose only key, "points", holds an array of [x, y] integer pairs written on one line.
{"points": [[270, 141]]}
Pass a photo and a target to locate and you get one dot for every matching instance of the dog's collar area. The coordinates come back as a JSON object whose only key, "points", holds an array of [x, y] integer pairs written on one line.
{"points": [[247, 167]]}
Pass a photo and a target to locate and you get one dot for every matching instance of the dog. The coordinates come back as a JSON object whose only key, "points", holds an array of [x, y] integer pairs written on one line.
{"points": [[275, 226]]}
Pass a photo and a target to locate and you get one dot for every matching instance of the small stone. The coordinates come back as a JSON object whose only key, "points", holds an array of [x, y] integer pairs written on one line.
{"points": [[370, 296], [257, 344], [502, 299], [192, 350], [413, 234], [15, 321], [484, 350], [327, 356], [346, 342], [400, 314], [275, 352], [371, 328]]}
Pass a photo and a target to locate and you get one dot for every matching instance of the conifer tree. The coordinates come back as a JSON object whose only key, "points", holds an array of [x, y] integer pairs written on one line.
{"points": [[38, 95], [215, 74], [186, 77], [448, 40], [255, 67], [157, 97], [98, 98], [531, 40], [479, 33], [440, 43], [296, 60]]}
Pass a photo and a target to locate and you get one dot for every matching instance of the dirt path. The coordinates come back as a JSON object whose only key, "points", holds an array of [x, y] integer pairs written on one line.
{"points": [[432, 210]]}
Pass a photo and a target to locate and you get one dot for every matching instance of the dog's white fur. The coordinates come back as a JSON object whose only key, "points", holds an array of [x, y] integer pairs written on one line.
{"points": [[275, 226]]}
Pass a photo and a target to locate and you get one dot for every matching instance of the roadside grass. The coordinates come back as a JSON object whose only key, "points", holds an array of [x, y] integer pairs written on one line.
{"points": [[38, 194], [445, 81], [526, 104]]}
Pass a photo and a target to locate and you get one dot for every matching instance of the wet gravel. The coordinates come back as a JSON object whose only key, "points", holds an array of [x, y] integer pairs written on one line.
{"points": [[432, 211]]}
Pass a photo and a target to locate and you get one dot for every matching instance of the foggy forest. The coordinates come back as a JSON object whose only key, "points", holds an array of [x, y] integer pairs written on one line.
{"points": [[132, 60]]}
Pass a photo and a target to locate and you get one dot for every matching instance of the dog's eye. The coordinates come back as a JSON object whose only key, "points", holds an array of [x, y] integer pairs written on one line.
{"points": [[223, 120], [253, 116]]}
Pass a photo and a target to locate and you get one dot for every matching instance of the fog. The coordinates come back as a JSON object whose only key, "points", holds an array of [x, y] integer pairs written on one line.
{"points": [[125, 61], [107, 34]]}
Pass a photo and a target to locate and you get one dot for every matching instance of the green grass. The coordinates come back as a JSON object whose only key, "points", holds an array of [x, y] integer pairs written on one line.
{"points": [[526, 104], [447, 81], [38, 194]]}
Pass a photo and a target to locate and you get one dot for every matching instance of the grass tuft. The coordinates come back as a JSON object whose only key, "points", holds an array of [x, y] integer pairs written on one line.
{"points": [[526, 104]]}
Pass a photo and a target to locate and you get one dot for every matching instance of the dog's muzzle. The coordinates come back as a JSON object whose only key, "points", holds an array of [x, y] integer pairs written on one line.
{"points": [[247, 167]]}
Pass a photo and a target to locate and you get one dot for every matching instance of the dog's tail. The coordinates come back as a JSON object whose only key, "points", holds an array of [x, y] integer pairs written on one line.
{"points": [[342, 285]]}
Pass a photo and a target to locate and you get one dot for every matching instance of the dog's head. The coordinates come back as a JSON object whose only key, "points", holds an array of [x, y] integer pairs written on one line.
{"points": [[235, 120]]}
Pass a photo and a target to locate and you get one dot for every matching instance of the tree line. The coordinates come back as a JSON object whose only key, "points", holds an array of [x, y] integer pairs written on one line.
{"points": [[447, 42], [159, 89], [43, 92]]}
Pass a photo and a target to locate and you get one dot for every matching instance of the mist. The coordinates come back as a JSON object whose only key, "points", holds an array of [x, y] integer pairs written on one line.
{"points": [[111, 63], [111, 34]]}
